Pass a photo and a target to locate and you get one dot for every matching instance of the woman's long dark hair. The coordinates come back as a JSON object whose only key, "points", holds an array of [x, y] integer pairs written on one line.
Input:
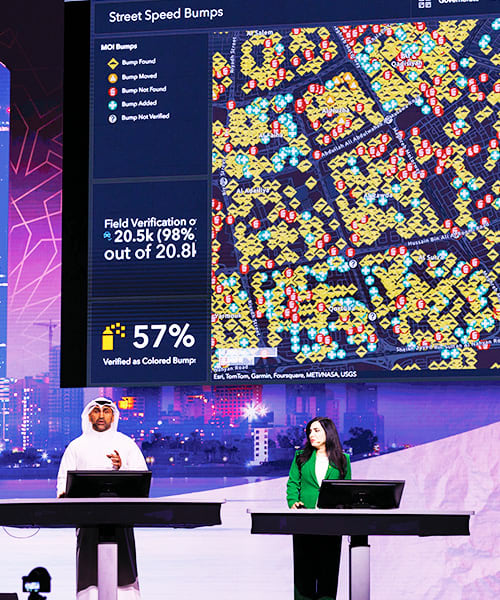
{"points": [[333, 446]]}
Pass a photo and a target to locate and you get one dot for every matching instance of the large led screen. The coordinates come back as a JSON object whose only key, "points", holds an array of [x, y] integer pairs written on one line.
{"points": [[294, 194]]}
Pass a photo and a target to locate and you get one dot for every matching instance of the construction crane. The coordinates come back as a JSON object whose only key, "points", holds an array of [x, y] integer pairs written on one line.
{"points": [[51, 325]]}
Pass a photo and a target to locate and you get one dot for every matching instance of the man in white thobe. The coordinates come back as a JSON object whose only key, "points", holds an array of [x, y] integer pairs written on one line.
{"points": [[102, 447]]}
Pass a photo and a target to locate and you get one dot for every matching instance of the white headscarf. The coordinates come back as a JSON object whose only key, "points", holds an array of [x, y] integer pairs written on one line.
{"points": [[99, 402]]}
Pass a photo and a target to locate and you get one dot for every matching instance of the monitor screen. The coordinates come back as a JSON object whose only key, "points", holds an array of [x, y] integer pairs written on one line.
{"points": [[102, 484], [360, 494], [281, 195]]}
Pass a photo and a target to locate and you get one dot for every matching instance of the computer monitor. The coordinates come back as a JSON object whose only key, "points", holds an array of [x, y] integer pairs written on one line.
{"points": [[335, 493], [102, 484]]}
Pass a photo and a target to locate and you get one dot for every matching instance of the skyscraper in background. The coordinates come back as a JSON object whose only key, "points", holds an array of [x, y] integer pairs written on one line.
{"points": [[194, 402], [362, 410], [139, 410], [64, 406], [4, 208], [4, 412], [231, 401], [28, 421], [309, 400], [16, 416]]}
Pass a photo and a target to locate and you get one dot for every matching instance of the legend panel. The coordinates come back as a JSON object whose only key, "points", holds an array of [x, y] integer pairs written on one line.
{"points": [[150, 107]]}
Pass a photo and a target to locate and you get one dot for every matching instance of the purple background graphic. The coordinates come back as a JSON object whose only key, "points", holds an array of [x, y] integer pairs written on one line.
{"points": [[33, 53], [4, 207]]}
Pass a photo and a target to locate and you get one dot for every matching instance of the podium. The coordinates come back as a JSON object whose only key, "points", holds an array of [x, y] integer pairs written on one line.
{"points": [[107, 514], [359, 524]]}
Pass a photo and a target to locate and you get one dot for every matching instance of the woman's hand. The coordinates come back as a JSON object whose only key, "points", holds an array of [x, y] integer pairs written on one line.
{"points": [[297, 505]]}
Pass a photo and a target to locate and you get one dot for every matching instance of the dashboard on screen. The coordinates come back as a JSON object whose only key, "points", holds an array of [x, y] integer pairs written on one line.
{"points": [[281, 193]]}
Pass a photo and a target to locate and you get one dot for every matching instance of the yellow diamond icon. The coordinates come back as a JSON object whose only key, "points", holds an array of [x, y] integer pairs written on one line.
{"points": [[113, 63]]}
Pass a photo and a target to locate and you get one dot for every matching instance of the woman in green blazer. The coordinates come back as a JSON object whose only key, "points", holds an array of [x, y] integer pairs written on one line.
{"points": [[316, 558]]}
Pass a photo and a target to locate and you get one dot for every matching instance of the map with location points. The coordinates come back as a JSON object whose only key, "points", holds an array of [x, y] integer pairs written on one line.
{"points": [[355, 199], [297, 192]]}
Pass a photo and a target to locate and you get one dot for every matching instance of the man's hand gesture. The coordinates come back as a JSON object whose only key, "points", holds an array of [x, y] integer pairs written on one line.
{"points": [[115, 459]]}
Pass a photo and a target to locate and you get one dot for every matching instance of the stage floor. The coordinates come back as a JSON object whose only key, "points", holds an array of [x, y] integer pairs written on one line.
{"points": [[228, 563]]}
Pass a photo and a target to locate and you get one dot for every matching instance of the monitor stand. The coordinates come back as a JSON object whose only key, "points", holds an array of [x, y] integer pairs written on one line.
{"points": [[359, 568], [107, 563]]}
